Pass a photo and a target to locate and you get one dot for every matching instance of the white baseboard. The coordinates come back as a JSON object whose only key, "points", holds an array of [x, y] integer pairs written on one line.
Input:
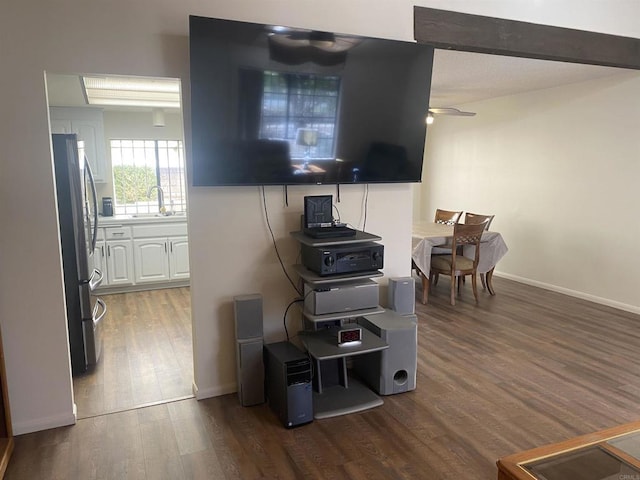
{"points": [[571, 293], [20, 428], [201, 394]]}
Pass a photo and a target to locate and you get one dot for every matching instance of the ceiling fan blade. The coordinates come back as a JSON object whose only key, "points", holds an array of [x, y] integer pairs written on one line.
{"points": [[451, 111]]}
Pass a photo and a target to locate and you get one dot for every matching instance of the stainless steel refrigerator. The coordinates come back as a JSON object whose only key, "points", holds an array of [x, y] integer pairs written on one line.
{"points": [[78, 216]]}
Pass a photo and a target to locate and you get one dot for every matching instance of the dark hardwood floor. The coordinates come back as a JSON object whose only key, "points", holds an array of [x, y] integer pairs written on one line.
{"points": [[522, 369], [147, 353]]}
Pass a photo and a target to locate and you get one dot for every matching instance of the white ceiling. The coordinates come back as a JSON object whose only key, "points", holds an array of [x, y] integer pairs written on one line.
{"points": [[464, 77], [458, 78]]}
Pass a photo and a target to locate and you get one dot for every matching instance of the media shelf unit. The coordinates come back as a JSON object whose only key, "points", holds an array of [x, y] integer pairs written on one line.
{"points": [[335, 391], [359, 237]]}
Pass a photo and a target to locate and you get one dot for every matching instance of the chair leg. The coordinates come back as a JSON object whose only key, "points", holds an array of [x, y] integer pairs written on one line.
{"points": [[475, 287], [484, 283], [435, 278], [425, 288], [453, 289]]}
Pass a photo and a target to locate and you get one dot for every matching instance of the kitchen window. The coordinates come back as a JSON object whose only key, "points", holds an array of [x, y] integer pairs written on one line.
{"points": [[140, 165]]}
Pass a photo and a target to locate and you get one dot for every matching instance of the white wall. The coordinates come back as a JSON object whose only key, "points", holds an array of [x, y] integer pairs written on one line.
{"points": [[230, 247], [559, 168]]}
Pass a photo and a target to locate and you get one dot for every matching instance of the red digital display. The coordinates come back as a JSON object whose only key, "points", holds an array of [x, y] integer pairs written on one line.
{"points": [[352, 335]]}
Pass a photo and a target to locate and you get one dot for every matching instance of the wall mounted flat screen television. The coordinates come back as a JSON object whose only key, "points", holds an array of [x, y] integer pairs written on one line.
{"points": [[275, 105]]}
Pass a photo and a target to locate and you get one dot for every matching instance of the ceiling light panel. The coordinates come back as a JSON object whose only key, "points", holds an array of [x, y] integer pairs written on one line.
{"points": [[132, 91]]}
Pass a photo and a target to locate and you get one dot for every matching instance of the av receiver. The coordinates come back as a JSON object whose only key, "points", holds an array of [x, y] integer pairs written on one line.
{"points": [[349, 258]]}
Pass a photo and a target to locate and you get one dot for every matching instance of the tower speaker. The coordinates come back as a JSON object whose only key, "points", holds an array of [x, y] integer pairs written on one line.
{"points": [[249, 344], [392, 370], [402, 295]]}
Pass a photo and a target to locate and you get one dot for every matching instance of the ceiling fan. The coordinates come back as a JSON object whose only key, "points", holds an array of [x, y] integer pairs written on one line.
{"points": [[295, 46], [446, 111]]}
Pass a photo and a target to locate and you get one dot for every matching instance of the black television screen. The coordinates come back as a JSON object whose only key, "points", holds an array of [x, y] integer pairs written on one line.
{"points": [[274, 105]]}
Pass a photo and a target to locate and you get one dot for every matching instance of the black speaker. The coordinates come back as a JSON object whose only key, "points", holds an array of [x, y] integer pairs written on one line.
{"points": [[288, 383], [401, 295], [249, 344]]}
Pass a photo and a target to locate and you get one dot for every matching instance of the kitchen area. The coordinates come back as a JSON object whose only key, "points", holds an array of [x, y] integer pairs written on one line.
{"points": [[130, 131]]}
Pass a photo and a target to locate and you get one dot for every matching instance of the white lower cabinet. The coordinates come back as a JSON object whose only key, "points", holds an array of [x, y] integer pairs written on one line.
{"points": [[161, 259], [150, 258], [114, 256], [179, 258], [142, 254], [119, 262], [161, 252]]}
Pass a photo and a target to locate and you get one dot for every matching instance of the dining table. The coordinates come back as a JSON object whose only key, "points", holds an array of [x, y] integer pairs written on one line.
{"points": [[427, 235]]}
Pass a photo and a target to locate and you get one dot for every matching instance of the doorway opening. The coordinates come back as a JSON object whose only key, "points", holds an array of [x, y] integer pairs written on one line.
{"points": [[147, 350]]}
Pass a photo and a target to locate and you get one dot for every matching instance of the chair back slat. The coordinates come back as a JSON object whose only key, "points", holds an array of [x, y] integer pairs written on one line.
{"points": [[476, 218], [447, 217], [464, 234]]}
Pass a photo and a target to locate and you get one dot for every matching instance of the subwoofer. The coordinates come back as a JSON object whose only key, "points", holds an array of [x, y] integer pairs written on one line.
{"points": [[392, 370]]}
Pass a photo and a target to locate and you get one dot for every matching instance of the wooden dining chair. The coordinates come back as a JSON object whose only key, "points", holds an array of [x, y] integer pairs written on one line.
{"points": [[455, 264], [447, 217], [475, 219]]}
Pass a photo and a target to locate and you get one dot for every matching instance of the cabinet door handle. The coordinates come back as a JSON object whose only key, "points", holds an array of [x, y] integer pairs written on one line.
{"points": [[165, 247], [108, 250], [102, 250], [171, 246]]}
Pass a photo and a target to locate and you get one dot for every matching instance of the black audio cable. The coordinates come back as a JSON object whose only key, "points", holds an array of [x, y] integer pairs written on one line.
{"points": [[275, 246]]}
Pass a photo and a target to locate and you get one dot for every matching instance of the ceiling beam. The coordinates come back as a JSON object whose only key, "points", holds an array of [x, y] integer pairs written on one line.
{"points": [[475, 33]]}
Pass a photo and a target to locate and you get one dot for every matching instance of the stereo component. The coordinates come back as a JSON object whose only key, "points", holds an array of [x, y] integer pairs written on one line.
{"points": [[343, 258], [288, 383], [248, 316], [343, 297], [401, 295], [392, 370], [249, 344], [349, 336]]}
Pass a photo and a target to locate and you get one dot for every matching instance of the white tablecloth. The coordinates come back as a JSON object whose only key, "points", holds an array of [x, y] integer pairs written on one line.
{"points": [[427, 235]]}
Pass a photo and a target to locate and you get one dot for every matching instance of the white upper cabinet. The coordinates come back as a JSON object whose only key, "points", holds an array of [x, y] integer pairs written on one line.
{"points": [[88, 124]]}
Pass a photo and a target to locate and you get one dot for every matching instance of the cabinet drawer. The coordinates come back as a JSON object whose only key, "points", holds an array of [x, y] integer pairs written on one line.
{"points": [[163, 230], [117, 233]]}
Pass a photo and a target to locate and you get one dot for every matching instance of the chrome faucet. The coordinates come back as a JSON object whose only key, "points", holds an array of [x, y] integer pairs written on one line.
{"points": [[161, 195]]}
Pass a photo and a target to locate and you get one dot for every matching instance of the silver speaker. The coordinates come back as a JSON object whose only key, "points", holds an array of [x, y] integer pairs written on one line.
{"points": [[249, 344], [401, 295], [248, 316], [250, 371], [392, 370]]}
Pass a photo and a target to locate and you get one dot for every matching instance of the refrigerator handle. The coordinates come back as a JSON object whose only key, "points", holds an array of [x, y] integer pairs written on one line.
{"points": [[101, 303], [96, 279], [94, 229]]}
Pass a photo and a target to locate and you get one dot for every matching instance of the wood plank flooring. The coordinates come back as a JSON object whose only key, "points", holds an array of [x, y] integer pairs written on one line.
{"points": [[147, 353], [522, 369]]}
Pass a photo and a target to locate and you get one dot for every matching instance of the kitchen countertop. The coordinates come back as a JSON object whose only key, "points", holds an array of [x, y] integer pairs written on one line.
{"points": [[144, 218]]}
